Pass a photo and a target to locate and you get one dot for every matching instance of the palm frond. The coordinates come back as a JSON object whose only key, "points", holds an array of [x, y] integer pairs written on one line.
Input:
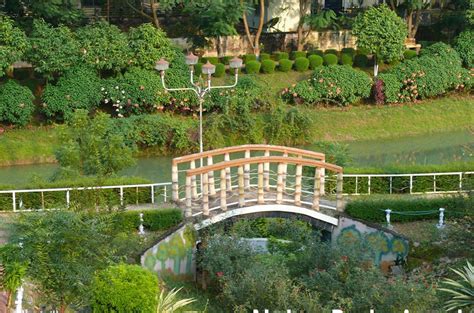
{"points": [[461, 292], [169, 302]]}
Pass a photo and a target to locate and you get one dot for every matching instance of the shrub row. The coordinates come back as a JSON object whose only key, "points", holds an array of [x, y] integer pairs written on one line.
{"points": [[372, 210], [153, 219]]}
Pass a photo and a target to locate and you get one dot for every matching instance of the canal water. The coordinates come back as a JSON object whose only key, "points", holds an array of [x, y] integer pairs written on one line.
{"points": [[431, 149]]}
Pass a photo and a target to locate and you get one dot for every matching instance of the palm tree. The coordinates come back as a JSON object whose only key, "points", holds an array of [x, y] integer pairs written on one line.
{"points": [[462, 291]]}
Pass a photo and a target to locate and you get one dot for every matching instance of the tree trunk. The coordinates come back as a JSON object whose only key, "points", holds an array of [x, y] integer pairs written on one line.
{"points": [[300, 38], [261, 21], [410, 23], [219, 46], [156, 22], [247, 29], [417, 23]]}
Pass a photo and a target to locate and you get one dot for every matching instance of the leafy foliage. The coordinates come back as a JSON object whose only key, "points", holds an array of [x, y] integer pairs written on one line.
{"points": [[409, 54], [340, 84], [361, 60], [284, 65], [461, 292], [288, 127], [381, 32], [169, 302], [13, 43], [315, 61], [268, 66], [346, 59], [330, 59], [252, 67], [148, 44], [301, 64], [92, 146], [16, 103], [53, 49], [465, 47], [125, 288], [104, 47], [78, 88], [220, 70]]}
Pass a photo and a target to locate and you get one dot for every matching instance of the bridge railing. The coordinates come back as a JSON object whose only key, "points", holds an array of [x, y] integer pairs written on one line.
{"points": [[226, 186], [108, 196], [229, 153]]}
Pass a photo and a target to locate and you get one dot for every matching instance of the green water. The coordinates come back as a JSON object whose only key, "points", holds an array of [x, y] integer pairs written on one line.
{"points": [[429, 149]]}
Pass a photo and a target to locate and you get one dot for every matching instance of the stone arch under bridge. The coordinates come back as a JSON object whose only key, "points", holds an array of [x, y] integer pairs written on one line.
{"points": [[256, 178]]}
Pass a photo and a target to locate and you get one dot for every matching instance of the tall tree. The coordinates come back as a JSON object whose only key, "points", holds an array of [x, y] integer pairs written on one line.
{"points": [[13, 44], [322, 19], [413, 10], [248, 6], [153, 6], [382, 33]]}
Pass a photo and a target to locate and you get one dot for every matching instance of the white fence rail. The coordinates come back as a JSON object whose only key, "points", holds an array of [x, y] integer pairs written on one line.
{"points": [[354, 184]]}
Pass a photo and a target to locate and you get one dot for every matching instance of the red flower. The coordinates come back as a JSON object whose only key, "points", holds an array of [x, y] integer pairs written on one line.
{"points": [[345, 258], [220, 274]]}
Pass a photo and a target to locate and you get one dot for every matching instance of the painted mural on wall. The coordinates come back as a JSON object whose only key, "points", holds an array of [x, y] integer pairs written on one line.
{"points": [[385, 246], [173, 255]]}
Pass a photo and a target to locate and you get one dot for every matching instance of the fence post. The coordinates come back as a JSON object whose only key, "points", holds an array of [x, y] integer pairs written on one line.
{"points": [[391, 184], [266, 172], [411, 184], [14, 201], [460, 181], [121, 196], [152, 190], [339, 192], [165, 196], [192, 166], [247, 171], [260, 197], [205, 194], [387, 217], [241, 187], [357, 185], [317, 189], [174, 181], [212, 188], [441, 224], [368, 185], [299, 173], [279, 195], [223, 191], [141, 228], [68, 200], [434, 183], [228, 176], [189, 197]]}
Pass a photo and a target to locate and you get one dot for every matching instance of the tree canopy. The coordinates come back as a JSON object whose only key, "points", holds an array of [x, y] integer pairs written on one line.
{"points": [[13, 43]]}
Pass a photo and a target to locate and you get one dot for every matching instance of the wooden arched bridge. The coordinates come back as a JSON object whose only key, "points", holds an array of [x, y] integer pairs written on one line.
{"points": [[256, 178]]}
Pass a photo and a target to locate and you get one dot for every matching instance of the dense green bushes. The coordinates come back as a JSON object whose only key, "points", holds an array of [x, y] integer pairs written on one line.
{"points": [[264, 56], [373, 209], [437, 71], [252, 67], [298, 54], [346, 59], [409, 54], [78, 88], [330, 59], [281, 56], [249, 57], [301, 64], [340, 84], [464, 45], [361, 60], [16, 103], [285, 65], [153, 219], [13, 43], [268, 66], [315, 61], [220, 70]]}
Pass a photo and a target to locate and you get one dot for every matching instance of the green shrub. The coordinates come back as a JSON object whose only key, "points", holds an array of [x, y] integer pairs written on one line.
{"points": [[252, 67], [288, 127], [281, 56], [161, 219], [361, 60], [125, 288], [264, 56], [225, 60], [346, 59], [198, 69], [285, 65], [249, 57], [331, 51], [362, 51], [16, 103], [212, 60], [301, 64], [409, 54], [373, 209], [340, 84], [391, 87], [316, 52], [298, 54], [464, 45], [78, 88], [220, 70], [13, 41], [350, 51], [330, 59], [268, 66], [315, 61]]}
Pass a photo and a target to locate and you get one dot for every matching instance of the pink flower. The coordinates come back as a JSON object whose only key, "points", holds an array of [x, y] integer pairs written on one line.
{"points": [[220, 274]]}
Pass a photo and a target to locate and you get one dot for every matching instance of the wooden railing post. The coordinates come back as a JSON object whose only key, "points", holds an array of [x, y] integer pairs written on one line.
{"points": [[299, 173], [174, 181], [223, 190], [228, 176], [205, 194], [317, 188], [240, 173], [260, 184], [266, 172], [339, 193], [212, 188], [279, 196], [189, 197], [247, 171], [322, 187], [285, 171], [192, 166]]}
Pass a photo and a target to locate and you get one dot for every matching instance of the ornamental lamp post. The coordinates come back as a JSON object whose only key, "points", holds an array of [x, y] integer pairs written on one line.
{"points": [[207, 69]]}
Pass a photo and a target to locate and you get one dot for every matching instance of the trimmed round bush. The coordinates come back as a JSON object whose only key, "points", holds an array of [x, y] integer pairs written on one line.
{"points": [[346, 59], [249, 57], [301, 64], [464, 45], [285, 65], [281, 56], [330, 59], [213, 60], [268, 66], [220, 70], [409, 54], [350, 51], [225, 60], [125, 288], [298, 54], [316, 52], [198, 68], [265, 56], [331, 51], [16, 103], [315, 61], [252, 67], [361, 60]]}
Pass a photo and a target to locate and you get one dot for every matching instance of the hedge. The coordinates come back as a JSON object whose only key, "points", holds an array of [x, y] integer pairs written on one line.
{"points": [[372, 210], [198, 69], [285, 65], [298, 54], [268, 66], [464, 45], [281, 56], [264, 56], [316, 52], [331, 51], [226, 59], [249, 57], [252, 67], [361, 60], [16, 103], [346, 59], [330, 59], [153, 219], [220, 70], [315, 61], [350, 51], [409, 54], [301, 64]]}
